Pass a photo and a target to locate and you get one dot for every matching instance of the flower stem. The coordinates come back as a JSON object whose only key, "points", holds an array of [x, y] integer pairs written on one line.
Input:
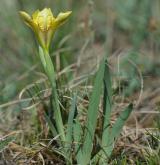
{"points": [[49, 69]]}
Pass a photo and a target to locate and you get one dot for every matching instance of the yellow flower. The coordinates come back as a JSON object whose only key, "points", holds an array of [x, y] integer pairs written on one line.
{"points": [[44, 24]]}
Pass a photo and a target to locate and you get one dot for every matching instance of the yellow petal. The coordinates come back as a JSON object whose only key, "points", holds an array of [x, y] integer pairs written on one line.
{"points": [[26, 17], [62, 17], [34, 15], [45, 19], [47, 11]]}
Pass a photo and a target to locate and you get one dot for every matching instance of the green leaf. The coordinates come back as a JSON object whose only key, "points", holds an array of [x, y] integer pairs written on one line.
{"points": [[107, 105], [118, 125], [116, 130], [69, 131], [109, 134], [77, 135], [92, 115]]}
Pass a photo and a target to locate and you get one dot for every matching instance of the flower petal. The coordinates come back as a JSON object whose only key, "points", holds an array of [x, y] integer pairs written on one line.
{"points": [[45, 19], [35, 15], [26, 17], [47, 12], [61, 18]]}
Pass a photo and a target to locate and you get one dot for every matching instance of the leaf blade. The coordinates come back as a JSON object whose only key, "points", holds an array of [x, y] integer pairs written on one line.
{"points": [[92, 115], [69, 131]]}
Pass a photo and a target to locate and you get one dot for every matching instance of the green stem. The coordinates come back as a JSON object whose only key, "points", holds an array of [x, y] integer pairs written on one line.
{"points": [[49, 69]]}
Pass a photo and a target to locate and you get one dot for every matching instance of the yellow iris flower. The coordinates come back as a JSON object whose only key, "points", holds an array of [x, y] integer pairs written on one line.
{"points": [[44, 24]]}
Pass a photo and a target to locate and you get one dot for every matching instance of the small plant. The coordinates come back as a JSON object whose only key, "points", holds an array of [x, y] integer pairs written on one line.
{"points": [[77, 140], [44, 25]]}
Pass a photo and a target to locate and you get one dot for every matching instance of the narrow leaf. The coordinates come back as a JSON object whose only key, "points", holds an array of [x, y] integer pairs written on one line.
{"points": [[77, 134], [118, 125], [107, 104], [69, 131], [92, 115], [116, 130], [113, 134], [107, 107]]}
